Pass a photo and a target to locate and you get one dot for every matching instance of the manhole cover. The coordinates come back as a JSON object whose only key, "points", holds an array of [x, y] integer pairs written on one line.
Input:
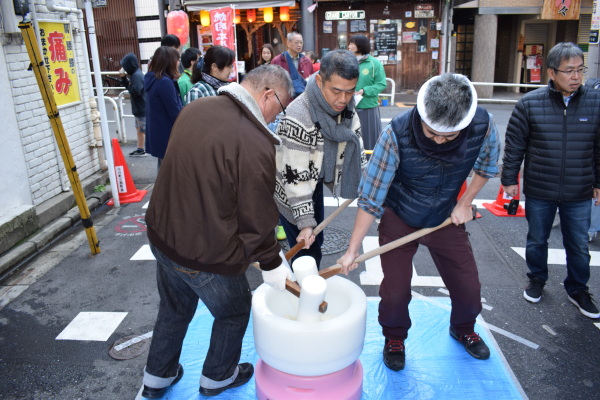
{"points": [[336, 241], [130, 346]]}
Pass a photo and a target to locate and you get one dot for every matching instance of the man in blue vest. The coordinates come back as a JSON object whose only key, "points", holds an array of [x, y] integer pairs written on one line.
{"points": [[412, 182]]}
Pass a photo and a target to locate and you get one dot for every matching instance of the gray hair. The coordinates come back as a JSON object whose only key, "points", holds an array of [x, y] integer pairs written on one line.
{"points": [[562, 51], [269, 76], [448, 99], [290, 36], [339, 62]]}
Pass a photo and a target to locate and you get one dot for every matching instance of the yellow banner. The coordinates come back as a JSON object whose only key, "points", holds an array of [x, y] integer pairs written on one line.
{"points": [[59, 60], [561, 9]]}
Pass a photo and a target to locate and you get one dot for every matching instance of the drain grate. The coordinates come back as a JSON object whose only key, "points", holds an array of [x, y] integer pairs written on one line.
{"points": [[336, 241]]}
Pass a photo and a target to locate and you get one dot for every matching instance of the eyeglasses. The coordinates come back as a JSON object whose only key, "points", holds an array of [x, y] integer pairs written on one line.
{"points": [[279, 101], [572, 72]]}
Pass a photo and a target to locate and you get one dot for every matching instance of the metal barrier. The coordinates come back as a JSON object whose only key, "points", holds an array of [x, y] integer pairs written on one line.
{"points": [[511, 85], [119, 119], [391, 95]]}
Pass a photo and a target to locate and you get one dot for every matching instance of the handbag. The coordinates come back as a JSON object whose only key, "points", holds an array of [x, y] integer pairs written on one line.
{"points": [[298, 81]]}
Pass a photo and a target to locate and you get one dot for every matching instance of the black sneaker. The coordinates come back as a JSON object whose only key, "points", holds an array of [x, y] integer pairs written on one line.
{"points": [[583, 300], [394, 354], [245, 372], [533, 292], [152, 393], [473, 343], [138, 153]]}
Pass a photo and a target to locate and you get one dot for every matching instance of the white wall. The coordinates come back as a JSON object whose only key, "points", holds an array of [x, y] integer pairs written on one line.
{"points": [[33, 156]]}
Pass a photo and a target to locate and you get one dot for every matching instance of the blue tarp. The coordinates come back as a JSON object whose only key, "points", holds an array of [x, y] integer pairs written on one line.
{"points": [[437, 366]]}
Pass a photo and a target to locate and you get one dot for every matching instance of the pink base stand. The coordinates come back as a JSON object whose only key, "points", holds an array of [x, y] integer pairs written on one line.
{"points": [[272, 384]]}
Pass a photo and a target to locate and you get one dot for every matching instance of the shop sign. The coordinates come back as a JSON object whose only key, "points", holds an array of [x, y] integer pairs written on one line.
{"points": [[59, 59], [223, 33], [561, 10], [350, 14], [424, 11]]}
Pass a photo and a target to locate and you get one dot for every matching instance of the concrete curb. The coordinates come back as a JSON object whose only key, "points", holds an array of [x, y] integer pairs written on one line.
{"points": [[32, 245]]}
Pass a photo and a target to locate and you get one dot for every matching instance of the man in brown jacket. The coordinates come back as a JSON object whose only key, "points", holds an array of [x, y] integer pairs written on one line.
{"points": [[212, 213]]}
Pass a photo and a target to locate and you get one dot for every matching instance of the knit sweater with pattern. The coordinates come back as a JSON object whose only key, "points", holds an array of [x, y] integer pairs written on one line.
{"points": [[299, 160]]}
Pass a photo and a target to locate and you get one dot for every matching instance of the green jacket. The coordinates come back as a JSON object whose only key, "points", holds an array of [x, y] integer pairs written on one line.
{"points": [[185, 84], [371, 78]]}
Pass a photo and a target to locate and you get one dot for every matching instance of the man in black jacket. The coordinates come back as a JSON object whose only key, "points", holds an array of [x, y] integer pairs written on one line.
{"points": [[556, 130], [135, 87]]}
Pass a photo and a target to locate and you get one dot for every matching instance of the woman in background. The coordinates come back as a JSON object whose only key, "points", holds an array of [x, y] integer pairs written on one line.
{"points": [[267, 53], [371, 82], [211, 72], [163, 102]]}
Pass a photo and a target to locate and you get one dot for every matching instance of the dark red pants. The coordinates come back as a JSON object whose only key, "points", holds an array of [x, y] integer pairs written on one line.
{"points": [[452, 254]]}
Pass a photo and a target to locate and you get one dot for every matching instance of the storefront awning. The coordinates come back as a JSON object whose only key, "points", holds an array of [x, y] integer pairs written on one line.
{"points": [[197, 5]]}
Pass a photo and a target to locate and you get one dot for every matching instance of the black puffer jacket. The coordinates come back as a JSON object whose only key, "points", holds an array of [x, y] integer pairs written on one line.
{"points": [[560, 144]]}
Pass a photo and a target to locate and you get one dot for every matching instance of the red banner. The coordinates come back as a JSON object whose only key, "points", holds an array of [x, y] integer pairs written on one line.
{"points": [[223, 33]]}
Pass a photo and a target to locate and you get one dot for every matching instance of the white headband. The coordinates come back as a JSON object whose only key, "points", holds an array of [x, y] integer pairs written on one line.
{"points": [[444, 128]]}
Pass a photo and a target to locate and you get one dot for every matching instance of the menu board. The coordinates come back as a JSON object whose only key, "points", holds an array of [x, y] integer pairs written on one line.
{"points": [[358, 25], [386, 38]]}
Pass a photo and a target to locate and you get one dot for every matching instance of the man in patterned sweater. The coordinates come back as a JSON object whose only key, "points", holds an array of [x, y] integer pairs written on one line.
{"points": [[320, 144]]}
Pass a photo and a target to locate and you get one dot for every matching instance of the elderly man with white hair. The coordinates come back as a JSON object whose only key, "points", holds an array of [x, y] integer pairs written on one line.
{"points": [[412, 182]]}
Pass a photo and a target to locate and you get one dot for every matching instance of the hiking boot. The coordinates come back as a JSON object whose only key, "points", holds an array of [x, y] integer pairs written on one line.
{"points": [[473, 343], [153, 393], [394, 354], [138, 153], [583, 300], [280, 233], [533, 292], [245, 372]]}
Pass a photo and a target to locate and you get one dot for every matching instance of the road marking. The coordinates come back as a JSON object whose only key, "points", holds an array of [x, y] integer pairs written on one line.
{"points": [[559, 257], [143, 254], [597, 324], [373, 274], [482, 321], [88, 325], [145, 206]]}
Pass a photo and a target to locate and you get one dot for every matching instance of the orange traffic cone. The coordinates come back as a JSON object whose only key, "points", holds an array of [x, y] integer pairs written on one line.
{"points": [[505, 205], [127, 190]]}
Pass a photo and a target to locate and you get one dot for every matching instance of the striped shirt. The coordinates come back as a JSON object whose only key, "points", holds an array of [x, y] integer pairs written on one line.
{"points": [[384, 162]]}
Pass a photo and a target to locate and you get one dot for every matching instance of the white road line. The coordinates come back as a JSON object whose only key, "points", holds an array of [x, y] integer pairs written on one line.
{"points": [[143, 254], [559, 257], [597, 324], [89, 325], [373, 274], [549, 330], [145, 206]]}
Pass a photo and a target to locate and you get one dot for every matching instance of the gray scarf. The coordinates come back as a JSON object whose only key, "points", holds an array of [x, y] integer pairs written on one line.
{"points": [[325, 118]]}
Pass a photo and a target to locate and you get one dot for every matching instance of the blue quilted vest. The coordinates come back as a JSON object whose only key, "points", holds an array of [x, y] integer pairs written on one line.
{"points": [[424, 190]]}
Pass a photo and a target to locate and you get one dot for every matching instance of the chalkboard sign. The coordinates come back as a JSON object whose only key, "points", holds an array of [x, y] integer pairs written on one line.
{"points": [[386, 38], [358, 25]]}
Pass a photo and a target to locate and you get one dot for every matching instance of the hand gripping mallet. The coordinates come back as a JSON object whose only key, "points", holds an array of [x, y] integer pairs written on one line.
{"points": [[337, 268]]}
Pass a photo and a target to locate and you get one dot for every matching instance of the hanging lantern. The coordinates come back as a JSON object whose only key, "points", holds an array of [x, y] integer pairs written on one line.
{"points": [[237, 18], [268, 14], [204, 18], [284, 13], [251, 15], [178, 24]]}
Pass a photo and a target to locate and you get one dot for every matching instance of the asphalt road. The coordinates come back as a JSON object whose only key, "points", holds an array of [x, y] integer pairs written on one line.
{"points": [[551, 348]]}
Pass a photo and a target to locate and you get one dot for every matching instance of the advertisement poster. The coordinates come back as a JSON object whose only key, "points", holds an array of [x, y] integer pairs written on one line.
{"points": [[59, 60], [223, 33]]}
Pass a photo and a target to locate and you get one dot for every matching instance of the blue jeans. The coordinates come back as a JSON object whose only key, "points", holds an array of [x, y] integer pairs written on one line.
{"points": [[292, 231], [595, 221], [228, 299], [574, 224]]}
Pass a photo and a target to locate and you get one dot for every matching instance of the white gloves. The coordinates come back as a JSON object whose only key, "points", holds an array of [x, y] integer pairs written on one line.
{"points": [[276, 277]]}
